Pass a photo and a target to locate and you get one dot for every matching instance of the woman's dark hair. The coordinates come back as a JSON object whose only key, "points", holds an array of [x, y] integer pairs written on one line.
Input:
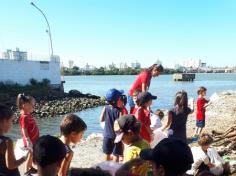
{"points": [[5, 112], [22, 99], [181, 100], [72, 123], [158, 67]]}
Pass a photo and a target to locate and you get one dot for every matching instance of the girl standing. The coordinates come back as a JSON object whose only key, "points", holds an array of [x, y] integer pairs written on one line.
{"points": [[177, 117], [143, 115], [28, 127]]}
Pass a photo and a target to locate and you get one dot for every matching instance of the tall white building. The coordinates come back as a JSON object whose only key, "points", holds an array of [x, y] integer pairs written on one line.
{"points": [[71, 63], [88, 67], [123, 66], [15, 55], [135, 65], [192, 63]]}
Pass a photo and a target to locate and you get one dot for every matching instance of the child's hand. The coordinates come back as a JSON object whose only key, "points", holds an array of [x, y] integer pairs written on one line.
{"points": [[29, 145], [210, 165]]}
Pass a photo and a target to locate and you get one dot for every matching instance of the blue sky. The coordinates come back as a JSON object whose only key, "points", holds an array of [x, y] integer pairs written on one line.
{"points": [[99, 32]]}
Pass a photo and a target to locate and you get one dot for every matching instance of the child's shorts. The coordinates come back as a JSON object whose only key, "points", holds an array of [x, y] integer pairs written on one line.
{"points": [[109, 147], [200, 123]]}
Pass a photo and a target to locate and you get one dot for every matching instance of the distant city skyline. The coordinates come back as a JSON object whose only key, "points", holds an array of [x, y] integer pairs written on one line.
{"points": [[104, 31]]}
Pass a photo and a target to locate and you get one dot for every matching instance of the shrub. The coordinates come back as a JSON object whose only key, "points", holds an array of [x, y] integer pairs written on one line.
{"points": [[45, 82], [33, 81]]}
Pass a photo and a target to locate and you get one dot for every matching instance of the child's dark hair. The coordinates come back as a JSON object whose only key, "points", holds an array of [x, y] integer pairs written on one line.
{"points": [[159, 113], [72, 123], [48, 150], [22, 99], [181, 99], [5, 112], [136, 128], [88, 172], [201, 89], [205, 139], [124, 99], [113, 102]]}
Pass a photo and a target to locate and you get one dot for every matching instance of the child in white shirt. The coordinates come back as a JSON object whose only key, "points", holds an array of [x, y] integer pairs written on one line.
{"points": [[156, 119], [205, 157]]}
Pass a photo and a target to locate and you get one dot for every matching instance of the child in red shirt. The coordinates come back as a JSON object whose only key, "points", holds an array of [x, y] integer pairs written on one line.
{"points": [[28, 127], [143, 114], [201, 108]]}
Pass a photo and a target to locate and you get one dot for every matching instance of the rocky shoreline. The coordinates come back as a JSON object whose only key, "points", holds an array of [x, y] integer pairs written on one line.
{"points": [[58, 103], [74, 101]]}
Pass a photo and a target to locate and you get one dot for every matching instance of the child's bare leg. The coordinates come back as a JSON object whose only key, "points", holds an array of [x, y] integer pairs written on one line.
{"points": [[116, 158], [107, 157], [28, 162], [121, 159], [196, 132], [200, 131]]}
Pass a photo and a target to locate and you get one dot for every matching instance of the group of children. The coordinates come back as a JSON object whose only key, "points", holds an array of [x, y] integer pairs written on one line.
{"points": [[136, 129], [125, 134], [51, 155]]}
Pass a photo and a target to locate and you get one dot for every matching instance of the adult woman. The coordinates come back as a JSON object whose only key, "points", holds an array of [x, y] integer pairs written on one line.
{"points": [[143, 80]]}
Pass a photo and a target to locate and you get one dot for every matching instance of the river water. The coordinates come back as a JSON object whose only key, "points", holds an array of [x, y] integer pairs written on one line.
{"points": [[163, 86]]}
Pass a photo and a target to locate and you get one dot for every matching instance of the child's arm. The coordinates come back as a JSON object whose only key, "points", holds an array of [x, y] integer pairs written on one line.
{"points": [[11, 161], [207, 102], [169, 121], [26, 135], [65, 164], [102, 118], [25, 132], [149, 129]]}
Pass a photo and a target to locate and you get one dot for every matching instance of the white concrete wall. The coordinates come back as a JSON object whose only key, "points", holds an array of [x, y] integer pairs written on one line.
{"points": [[22, 71]]}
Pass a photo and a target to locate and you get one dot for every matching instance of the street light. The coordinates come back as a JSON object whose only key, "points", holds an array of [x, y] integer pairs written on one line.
{"points": [[49, 30]]}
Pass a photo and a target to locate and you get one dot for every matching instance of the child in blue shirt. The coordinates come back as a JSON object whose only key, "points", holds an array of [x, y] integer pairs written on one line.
{"points": [[109, 114]]}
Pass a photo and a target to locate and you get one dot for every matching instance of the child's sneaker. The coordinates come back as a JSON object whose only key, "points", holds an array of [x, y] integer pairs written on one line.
{"points": [[194, 138]]}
